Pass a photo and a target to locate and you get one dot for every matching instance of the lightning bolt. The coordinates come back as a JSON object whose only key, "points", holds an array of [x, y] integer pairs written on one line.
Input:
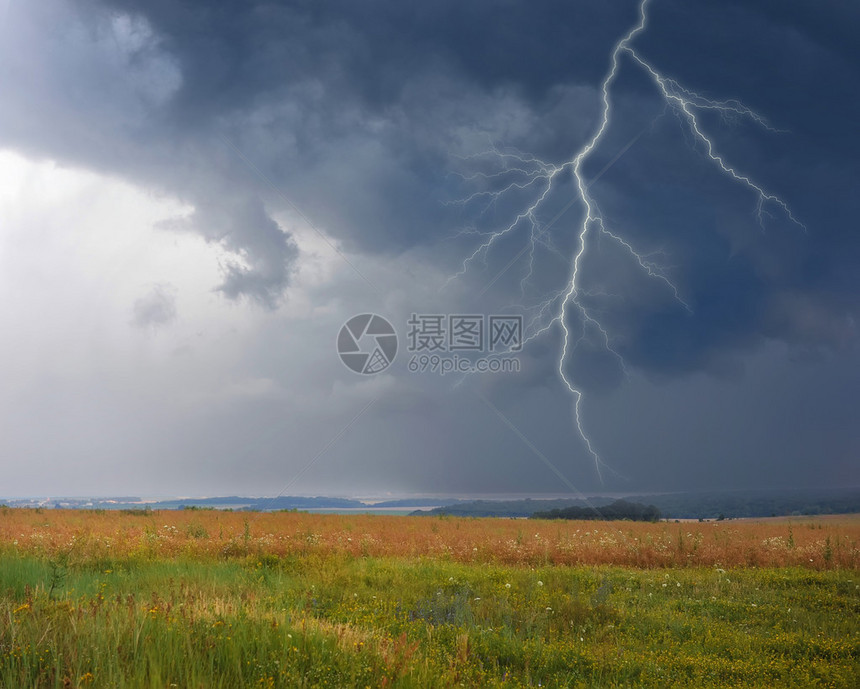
{"points": [[522, 173]]}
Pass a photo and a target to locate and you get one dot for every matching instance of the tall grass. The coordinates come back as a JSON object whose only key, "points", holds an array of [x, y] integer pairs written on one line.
{"points": [[341, 602]]}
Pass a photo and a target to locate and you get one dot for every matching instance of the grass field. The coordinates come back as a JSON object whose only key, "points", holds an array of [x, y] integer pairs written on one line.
{"points": [[214, 599]]}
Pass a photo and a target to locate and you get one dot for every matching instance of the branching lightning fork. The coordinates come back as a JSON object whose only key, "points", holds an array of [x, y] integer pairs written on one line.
{"points": [[529, 173]]}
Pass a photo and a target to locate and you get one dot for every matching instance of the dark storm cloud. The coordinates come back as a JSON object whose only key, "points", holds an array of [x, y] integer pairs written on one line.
{"points": [[94, 93], [243, 227], [746, 279], [233, 52], [378, 120], [365, 115], [354, 110]]}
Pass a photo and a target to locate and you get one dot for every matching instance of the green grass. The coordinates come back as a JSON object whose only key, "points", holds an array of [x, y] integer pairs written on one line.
{"points": [[342, 621]]}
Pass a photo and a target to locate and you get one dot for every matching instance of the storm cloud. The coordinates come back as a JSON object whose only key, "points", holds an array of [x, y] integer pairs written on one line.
{"points": [[398, 137]]}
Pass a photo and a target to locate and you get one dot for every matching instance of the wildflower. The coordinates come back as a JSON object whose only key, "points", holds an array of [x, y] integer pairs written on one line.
{"points": [[540, 583], [507, 586]]}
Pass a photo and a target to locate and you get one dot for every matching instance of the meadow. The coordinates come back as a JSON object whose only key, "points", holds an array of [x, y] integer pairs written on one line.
{"points": [[218, 599]]}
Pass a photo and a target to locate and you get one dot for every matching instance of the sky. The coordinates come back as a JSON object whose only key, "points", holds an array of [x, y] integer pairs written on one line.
{"points": [[196, 197]]}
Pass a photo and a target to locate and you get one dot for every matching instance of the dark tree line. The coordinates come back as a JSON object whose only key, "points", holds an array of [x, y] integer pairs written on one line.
{"points": [[618, 510]]}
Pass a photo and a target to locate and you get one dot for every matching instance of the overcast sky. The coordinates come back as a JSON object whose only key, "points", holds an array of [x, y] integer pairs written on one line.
{"points": [[195, 196]]}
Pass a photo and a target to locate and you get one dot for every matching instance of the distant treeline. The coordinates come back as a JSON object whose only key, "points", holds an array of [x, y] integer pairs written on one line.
{"points": [[714, 505], [508, 508], [618, 510], [741, 504]]}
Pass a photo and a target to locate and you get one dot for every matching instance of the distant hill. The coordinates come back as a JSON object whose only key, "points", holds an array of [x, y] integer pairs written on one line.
{"points": [[291, 502], [284, 502], [701, 505], [713, 505], [618, 510], [232, 502], [740, 504], [509, 508]]}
